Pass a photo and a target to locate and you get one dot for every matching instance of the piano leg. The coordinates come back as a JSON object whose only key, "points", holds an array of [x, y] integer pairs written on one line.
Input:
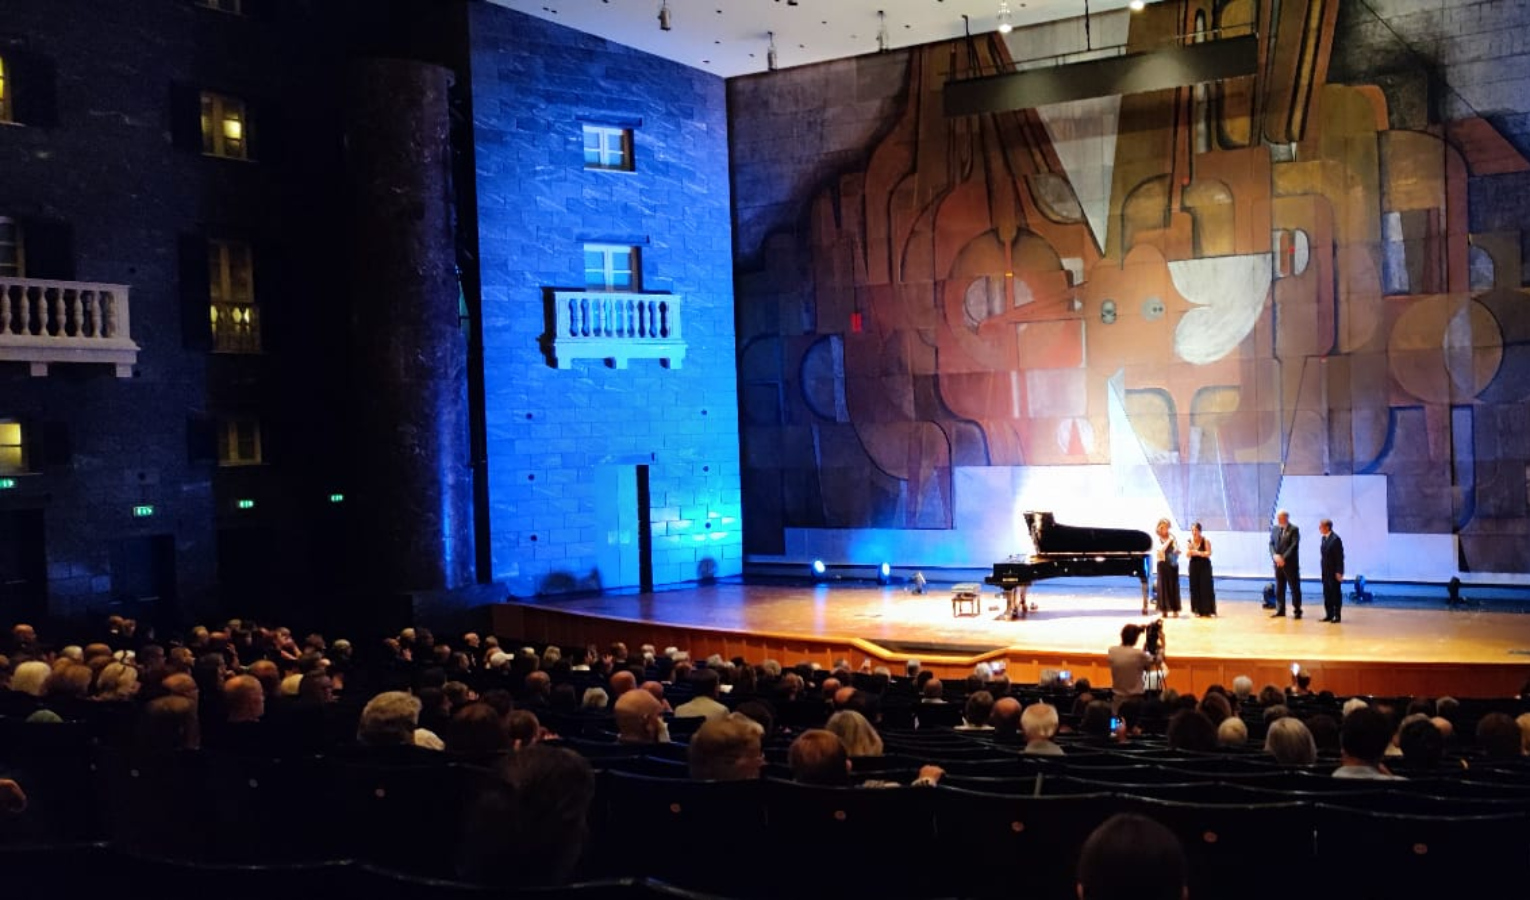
{"points": [[1024, 607], [1143, 579], [1014, 604]]}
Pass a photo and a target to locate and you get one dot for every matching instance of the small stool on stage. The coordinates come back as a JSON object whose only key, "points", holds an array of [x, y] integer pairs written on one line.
{"points": [[968, 596]]}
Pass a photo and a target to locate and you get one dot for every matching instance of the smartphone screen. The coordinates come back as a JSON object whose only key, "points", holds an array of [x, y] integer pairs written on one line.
{"points": [[1115, 723]]}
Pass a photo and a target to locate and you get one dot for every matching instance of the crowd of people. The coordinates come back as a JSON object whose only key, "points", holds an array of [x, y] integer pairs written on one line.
{"points": [[543, 717]]}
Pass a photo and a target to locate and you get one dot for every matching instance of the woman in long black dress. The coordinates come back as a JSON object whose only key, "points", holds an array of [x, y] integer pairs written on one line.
{"points": [[1166, 555], [1203, 596]]}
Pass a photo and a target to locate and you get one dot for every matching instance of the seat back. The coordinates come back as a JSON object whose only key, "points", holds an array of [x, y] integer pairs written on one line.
{"points": [[1021, 846], [681, 831], [1413, 856], [858, 823], [1225, 842]]}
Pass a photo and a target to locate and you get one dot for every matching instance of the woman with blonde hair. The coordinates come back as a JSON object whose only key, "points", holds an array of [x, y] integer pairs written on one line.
{"points": [[117, 682], [1166, 555], [857, 734]]}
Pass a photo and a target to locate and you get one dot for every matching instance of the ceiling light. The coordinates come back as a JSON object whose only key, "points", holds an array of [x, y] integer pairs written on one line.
{"points": [[884, 43], [1006, 25], [1137, 5], [664, 23], [770, 52]]}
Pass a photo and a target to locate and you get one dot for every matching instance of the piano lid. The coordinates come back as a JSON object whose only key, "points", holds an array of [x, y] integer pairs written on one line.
{"points": [[1051, 538]]}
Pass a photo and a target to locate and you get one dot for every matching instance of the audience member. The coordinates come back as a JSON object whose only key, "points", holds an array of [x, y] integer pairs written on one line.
{"points": [[1363, 740], [1131, 857], [1290, 742], [1192, 730], [639, 718], [704, 702], [1498, 738], [976, 712], [728, 749], [1232, 734], [856, 733], [1039, 722]]}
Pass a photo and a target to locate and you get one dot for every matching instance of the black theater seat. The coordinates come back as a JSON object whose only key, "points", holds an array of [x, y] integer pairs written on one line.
{"points": [[1014, 846]]}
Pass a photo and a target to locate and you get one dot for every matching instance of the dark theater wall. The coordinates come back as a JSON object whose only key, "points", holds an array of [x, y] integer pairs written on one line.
{"points": [[566, 446], [1299, 289]]}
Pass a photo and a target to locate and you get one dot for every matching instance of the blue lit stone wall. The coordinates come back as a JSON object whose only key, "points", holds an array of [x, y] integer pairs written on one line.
{"points": [[550, 431]]}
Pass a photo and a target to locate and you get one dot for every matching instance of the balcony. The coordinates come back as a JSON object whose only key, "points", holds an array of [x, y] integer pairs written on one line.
{"points": [[616, 327], [47, 322]]}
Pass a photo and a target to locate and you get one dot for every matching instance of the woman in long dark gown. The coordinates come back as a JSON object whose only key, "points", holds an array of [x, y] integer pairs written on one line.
{"points": [[1203, 596], [1166, 555]]}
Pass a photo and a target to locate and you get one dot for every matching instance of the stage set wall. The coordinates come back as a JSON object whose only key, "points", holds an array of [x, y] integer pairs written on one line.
{"points": [[1302, 289], [559, 439]]}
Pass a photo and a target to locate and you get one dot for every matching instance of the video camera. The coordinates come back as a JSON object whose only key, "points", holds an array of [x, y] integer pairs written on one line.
{"points": [[1154, 641]]}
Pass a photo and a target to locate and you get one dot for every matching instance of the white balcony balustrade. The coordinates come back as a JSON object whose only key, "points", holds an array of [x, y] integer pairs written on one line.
{"points": [[47, 322], [617, 327]]}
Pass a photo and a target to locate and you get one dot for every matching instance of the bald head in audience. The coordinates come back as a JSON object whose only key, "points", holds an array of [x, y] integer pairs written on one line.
{"points": [[1006, 715], [638, 718], [244, 699], [622, 681]]}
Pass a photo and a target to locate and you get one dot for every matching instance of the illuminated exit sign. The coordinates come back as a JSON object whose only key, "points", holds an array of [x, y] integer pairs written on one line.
{"points": [[7, 483], [143, 512]]}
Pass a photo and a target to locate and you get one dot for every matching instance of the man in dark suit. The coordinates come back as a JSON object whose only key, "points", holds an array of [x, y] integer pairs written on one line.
{"points": [[1285, 547], [1333, 571]]}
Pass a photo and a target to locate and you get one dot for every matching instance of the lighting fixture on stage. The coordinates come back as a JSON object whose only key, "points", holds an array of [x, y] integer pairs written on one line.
{"points": [[1137, 5], [1005, 19], [664, 22], [819, 569], [918, 582], [884, 574], [771, 60], [884, 43]]}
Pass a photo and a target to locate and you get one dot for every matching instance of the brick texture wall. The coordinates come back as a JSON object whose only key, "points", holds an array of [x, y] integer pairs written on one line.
{"points": [[549, 430]]}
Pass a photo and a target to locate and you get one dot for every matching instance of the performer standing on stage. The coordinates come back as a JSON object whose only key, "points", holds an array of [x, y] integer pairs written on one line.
{"points": [[1333, 571], [1203, 596], [1166, 555], [1285, 550]]}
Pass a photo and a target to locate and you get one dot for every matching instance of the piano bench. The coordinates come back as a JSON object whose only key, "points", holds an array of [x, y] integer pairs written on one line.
{"points": [[968, 597]]}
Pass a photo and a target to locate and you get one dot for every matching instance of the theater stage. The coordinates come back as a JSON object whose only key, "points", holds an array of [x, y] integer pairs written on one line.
{"points": [[1375, 650]]}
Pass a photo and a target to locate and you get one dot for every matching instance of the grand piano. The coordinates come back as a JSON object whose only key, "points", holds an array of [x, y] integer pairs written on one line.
{"points": [[1064, 551]]}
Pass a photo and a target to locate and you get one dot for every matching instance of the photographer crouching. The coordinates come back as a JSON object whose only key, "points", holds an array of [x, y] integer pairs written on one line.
{"points": [[1130, 667]]}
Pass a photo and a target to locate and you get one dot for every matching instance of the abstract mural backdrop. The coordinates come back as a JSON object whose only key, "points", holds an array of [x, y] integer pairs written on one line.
{"points": [[1215, 293]]}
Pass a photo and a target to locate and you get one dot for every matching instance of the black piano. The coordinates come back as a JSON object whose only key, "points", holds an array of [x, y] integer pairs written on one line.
{"points": [[1064, 551]]}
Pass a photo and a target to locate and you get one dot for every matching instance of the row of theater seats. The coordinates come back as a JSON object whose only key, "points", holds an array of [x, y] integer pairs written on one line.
{"points": [[772, 837], [102, 869]]}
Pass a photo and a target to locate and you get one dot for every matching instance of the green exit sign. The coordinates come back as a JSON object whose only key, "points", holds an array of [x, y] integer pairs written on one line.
{"points": [[143, 511], [246, 504], [7, 483], [337, 498]]}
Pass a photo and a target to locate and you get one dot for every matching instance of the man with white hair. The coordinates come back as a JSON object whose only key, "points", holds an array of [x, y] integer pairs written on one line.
{"points": [[1243, 688], [1353, 704], [1039, 722], [912, 668], [983, 672], [1232, 733], [389, 720], [1285, 551]]}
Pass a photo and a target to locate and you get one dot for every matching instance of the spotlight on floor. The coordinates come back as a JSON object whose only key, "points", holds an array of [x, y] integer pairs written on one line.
{"points": [[819, 569], [884, 574]]}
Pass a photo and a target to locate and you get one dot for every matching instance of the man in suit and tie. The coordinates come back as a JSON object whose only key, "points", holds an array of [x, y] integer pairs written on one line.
{"points": [[1285, 547], [1333, 571]]}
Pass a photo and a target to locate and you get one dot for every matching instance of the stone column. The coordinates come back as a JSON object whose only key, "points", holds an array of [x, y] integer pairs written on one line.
{"points": [[410, 495]]}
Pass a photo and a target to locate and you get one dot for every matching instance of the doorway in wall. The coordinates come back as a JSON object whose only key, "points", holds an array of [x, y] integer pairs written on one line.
{"points": [[143, 579], [23, 566], [624, 539]]}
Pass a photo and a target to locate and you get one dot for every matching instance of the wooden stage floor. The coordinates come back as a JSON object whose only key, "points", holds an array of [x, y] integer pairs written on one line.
{"points": [[1073, 625]]}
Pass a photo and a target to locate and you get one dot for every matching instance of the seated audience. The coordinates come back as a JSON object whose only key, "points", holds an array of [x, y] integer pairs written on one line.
{"points": [[1192, 730], [639, 718], [1039, 722], [976, 712], [1232, 734], [1006, 718], [389, 720], [1131, 857], [729, 749], [856, 733], [703, 703], [531, 832], [477, 730], [1421, 744], [1498, 738], [1290, 742], [1363, 740]]}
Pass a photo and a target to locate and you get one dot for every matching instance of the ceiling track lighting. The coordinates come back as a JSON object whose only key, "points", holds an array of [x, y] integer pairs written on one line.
{"points": [[1005, 18], [665, 23], [771, 60], [884, 43]]}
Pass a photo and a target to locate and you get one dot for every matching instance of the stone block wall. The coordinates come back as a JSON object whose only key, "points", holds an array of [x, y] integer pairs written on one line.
{"points": [[549, 430]]}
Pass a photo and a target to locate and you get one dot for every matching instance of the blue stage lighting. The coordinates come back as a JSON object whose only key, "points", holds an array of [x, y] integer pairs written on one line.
{"points": [[884, 574], [819, 569]]}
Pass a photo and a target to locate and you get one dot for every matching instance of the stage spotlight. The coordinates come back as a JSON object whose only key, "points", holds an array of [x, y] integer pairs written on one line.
{"points": [[819, 569], [1005, 19], [1137, 5], [884, 574]]}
